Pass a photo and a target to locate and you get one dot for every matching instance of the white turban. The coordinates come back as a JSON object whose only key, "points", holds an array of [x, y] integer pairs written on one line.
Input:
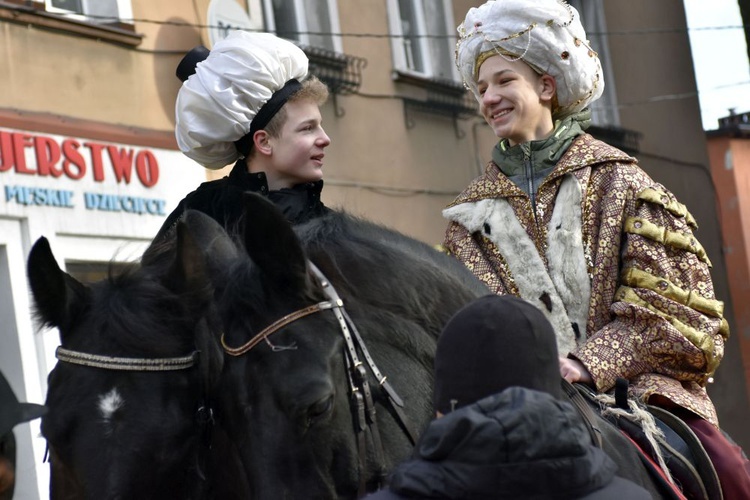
{"points": [[546, 34], [217, 104]]}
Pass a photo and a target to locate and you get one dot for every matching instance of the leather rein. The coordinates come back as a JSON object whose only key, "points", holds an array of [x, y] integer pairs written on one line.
{"points": [[362, 403]]}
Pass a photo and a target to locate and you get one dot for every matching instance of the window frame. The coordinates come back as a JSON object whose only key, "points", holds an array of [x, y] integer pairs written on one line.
{"points": [[119, 32], [124, 11], [302, 23], [400, 62]]}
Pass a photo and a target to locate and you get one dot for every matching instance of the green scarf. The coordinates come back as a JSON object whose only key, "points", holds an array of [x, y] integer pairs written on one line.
{"points": [[544, 153]]}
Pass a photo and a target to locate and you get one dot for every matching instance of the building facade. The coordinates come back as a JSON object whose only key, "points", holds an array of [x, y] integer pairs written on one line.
{"points": [[88, 157], [729, 155]]}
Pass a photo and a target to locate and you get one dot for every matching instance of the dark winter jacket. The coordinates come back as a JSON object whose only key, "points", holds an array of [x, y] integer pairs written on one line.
{"points": [[222, 199], [518, 444]]}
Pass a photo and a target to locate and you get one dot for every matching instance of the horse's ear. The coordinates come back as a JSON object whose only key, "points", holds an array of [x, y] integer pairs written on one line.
{"points": [[188, 271], [216, 245], [271, 243], [203, 250], [57, 295]]}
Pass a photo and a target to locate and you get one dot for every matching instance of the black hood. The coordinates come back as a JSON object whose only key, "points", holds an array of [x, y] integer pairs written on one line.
{"points": [[517, 444], [493, 343]]}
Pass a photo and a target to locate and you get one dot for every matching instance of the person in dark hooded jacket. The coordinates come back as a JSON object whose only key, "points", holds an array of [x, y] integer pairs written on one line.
{"points": [[504, 428]]}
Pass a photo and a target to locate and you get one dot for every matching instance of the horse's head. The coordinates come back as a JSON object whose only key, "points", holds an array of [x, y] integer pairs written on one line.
{"points": [[285, 400], [288, 380], [128, 400]]}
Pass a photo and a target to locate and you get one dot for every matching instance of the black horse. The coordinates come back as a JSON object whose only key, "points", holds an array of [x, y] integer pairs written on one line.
{"points": [[130, 399], [331, 327]]}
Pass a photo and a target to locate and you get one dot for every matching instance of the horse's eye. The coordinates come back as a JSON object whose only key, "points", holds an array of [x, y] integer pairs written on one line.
{"points": [[318, 409]]}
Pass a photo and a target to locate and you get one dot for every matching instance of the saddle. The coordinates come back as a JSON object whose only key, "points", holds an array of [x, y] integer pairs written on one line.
{"points": [[676, 446]]}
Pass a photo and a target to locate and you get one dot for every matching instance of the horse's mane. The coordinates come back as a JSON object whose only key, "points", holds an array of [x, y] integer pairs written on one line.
{"points": [[340, 231], [340, 227], [368, 264], [373, 262]]}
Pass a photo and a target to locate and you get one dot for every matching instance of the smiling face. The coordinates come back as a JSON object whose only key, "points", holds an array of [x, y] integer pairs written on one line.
{"points": [[515, 101], [296, 154]]}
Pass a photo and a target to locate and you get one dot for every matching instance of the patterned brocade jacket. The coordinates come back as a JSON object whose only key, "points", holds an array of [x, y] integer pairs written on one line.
{"points": [[609, 256]]}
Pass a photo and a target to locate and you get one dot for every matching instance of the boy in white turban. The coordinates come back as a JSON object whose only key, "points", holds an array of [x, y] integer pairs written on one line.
{"points": [[250, 101], [575, 227]]}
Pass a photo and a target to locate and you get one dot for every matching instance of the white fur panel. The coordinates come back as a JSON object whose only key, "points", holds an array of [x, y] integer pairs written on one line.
{"points": [[524, 262], [565, 254], [470, 215]]}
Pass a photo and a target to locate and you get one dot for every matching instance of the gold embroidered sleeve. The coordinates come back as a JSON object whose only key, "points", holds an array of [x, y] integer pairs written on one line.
{"points": [[666, 318]]}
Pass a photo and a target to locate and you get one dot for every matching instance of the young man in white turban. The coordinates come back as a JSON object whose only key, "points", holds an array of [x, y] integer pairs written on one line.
{"points": [[575, 227], [250, 101]]}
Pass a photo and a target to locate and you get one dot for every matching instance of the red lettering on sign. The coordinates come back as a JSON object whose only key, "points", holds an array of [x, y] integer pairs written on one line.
{"points": [[54, 158], [7, 158], [47, 156], [21, 142], [96, 160], [122, 162], [147, 168], [73, 164]]}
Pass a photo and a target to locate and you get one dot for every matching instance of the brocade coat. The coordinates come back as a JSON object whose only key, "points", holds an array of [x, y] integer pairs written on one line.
{"points": [[610, 257]]}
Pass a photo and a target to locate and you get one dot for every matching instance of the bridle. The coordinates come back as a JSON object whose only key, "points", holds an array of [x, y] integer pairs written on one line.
{"points": [[363, 406], [204, 414], [128, 364]]}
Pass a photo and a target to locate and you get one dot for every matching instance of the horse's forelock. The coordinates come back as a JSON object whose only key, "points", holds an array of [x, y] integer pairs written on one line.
{"points": [[132, 309]]}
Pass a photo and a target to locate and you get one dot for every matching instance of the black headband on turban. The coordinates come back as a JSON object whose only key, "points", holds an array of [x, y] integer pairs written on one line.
{"points": [[187, 67]]}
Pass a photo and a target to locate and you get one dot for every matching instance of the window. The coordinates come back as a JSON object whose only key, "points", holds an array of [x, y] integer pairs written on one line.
{"points": [[424, 37], [314, 23], [108, 21], [604, 111], [69, 5], [95, 11]]}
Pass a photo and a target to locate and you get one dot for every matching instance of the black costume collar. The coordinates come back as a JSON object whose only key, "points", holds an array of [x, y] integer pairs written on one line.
{"points": [[298, 203]]}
